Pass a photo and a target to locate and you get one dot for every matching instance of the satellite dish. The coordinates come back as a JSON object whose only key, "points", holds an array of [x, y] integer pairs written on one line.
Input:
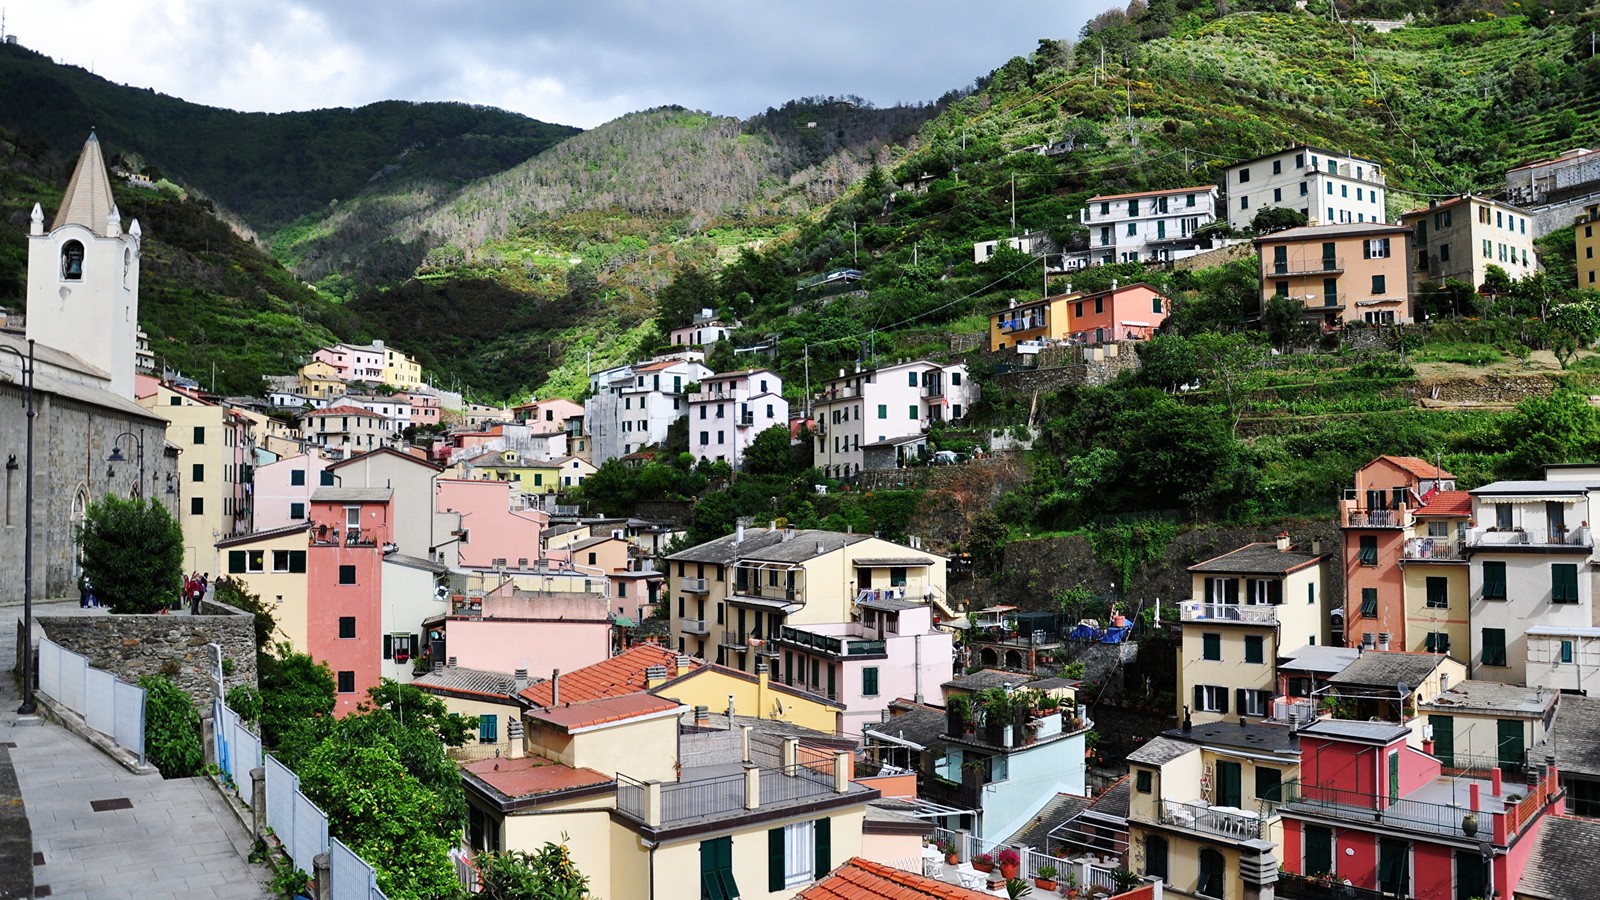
{"points": [[1403, 688]]}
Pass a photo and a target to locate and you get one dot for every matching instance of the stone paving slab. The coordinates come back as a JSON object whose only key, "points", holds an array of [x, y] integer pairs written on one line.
{"points": [[179, 839]]}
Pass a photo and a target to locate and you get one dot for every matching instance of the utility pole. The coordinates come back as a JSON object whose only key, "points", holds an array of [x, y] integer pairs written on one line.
{"points": [[855, 246], [1013, 204], [809, 410], [913, 255]]}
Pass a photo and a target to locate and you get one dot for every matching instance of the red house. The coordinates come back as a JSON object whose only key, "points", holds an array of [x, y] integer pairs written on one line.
{"points": [[344, 587], [1379, 816]]}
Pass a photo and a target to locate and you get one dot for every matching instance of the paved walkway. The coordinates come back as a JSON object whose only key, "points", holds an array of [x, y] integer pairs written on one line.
{"points": [[172, 839]]}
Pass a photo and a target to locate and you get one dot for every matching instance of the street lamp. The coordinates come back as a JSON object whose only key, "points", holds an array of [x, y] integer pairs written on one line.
{"points": [[27, 708], [116, 455]]}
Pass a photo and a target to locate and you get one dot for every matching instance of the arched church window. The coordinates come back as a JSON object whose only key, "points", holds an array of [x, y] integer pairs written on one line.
{"points": [[72, 261]]}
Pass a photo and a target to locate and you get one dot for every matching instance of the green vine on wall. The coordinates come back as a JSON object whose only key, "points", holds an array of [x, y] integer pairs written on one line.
{"points": [[1129, 546]]}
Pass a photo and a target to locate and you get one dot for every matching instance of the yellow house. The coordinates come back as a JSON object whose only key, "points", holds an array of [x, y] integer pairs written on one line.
{"points": [[1434, 566], [214, 463], [400, 370], [272, 564], [490, 697], [320, 381], [743, 817], [1202, 804], [757, 696], [1248, 608], [530, 476], [1036, 320], [1484, 725]]}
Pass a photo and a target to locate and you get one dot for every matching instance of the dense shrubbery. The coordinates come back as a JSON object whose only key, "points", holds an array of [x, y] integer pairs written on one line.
{"points": [[171, 729]]}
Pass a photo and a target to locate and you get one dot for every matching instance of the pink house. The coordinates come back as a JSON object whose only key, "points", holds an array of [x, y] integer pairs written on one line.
{"points": [[283, 490], [424, 407], [893, 651], [534, 631], [354, 363], [547, 415], [344, 581], [493, 534], [1374, 813]]}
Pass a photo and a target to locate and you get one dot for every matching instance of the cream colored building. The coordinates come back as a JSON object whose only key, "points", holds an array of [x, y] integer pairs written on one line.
{"points": [[1248, 608], [1485, 724], [731, 596], [399, 370], [216, 454], [272, 564], [1202, 802], [1460, 238], [1588, 239], [320, 381]]}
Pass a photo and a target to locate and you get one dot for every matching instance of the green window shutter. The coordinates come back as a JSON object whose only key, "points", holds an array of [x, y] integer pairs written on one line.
{"points": [[1230, 784], [869, 681], [1444, 738], [1438, 592], [1253, 644], [1142, 781], [236, 560], [1230, 590], [1155, 856], [1269, 783], [488, 729], [775, 874], [1512, 749], [1394, 777], [1275, 593], [1564, 583], [297, 560], [1319, 850], [1494, 580], [1369, 603], [1211, 646], [1494, 646], [1369, 551], [823, 838]]}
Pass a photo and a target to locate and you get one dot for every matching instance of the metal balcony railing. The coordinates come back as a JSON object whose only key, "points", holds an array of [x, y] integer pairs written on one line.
{"points": [[1327, 264], [1228, 612], [1547, 536], [694, 585], [1227, 821], [695, 626], [1434, 548], [735, 640]]}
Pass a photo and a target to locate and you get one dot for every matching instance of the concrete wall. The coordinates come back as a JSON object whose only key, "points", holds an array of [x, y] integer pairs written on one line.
{"points": [[133, 646]]}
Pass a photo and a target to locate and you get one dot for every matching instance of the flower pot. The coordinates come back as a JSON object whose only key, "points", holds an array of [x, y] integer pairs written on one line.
{"points": [[952, 859], [983, 866], [1044, 884], [1008, 871]]}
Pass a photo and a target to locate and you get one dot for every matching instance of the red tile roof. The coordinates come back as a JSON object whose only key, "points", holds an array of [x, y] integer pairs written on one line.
{"points": [[621, 674], [1447, 503], [863, 879], [345, 411], [532, 775], [599, 712], [1421, 468]]}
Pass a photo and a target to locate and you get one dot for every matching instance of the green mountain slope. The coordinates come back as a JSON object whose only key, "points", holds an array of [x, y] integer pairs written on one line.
{"points": [[268, 169]]}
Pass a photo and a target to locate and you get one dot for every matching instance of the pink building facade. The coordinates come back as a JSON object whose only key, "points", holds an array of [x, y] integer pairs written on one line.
{"points": [[354, 363], [494, 535], [344, 581], [424, 408], [892, 652], [283, 490], [537, 632], [729, 410]]}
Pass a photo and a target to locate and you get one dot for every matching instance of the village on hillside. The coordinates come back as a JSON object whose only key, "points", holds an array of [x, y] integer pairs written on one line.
{"points": [[1395, 706]]}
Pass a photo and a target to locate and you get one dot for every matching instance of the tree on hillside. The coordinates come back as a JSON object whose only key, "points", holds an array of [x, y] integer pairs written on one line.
{"points": [[1285, 321], [689, 291], [132, 554], [294, 689], [1560, 428], [769, 453], [1276, 218], [1225, 360]]}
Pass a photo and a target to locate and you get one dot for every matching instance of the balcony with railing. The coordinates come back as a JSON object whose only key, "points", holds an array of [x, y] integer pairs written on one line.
{"points": [[1313, 266], [693, 800], [1434, 549], [736, 640], [1359, 512], [1549, 536], [1195, 611], [694, 585], [755, 584], [1323, 887], [1219, 821], [745, 419], [1441, 807], [695, 626], [933, 389], [841, 645], [1015, 320]]}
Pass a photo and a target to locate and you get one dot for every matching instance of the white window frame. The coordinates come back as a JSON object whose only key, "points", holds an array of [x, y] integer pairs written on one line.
{"points": [[1209, 694], [799, 853]]}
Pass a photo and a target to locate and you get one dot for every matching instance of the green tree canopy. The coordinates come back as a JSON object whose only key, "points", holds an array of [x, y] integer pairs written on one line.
{"points": [[132, 554], [295, 689], [769, 453], [548, 874]]}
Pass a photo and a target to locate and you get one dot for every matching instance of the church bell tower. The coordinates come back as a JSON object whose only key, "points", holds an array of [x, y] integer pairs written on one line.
{"points": [[83, 276]]}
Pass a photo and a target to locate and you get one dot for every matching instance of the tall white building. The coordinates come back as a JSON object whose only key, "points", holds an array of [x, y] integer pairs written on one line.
{"points": [[83, 276], [1150, 226], [1329, 188], [631, 406], [859, 408], [730, 409]]}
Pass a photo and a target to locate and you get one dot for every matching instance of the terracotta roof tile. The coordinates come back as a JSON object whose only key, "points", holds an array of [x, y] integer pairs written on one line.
{"points": [[532, 775], [345, 411], [599, 712], [1421, 468], [863, 879], [621, 674], [1447, 503]]}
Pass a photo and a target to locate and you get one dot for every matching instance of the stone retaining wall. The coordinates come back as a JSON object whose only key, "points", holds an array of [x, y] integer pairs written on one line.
{"points": [[132, 646]]}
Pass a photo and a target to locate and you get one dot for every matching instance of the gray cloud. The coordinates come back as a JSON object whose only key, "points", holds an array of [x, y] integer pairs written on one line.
{"points": [[571, 62]]}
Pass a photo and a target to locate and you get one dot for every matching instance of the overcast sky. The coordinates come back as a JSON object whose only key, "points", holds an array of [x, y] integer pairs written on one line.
{"points": [[573, 62]]}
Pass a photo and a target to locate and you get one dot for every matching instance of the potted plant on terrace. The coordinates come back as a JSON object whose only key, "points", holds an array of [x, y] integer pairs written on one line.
{"points": [[983, 862], [1010, 861], [1045, 878]]}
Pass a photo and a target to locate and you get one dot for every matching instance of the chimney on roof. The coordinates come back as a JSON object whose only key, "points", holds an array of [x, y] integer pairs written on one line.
{"points": [[702, 716], [654, 676], [515, 750], [738, 534], [1316, 547], [1113, 284], [1188, 722], [683, 663], [1383, 641], [555, 688], [788, 533], [1283, 540], [452, 662], [520, 676], [820, 549]]}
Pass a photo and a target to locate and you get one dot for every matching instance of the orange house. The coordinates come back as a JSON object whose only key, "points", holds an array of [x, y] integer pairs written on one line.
{"points": [[1128, 313], [1377, 517], [344, 587]]}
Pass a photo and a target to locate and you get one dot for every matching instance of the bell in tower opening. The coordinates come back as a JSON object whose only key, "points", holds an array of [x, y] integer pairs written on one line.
{"points": [[72, 261]]}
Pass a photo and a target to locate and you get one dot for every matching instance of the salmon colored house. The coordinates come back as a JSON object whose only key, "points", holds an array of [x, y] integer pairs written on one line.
{"points": [[1372, 813], [493, 534], [344, 577], [1131, 312], [1379, 517]]}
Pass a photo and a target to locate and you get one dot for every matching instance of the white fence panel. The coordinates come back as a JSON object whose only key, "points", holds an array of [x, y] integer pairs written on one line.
{"points": [[50, 668], [310, 835], [281, 787], [99, 701], [348, 877], [128, 712], [238, 750], [73, 668]]}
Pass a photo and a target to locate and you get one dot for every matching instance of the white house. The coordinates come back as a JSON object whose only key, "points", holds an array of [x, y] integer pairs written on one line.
{"points": [[631, 406], [729, 410], [397, 409], [1531, 580], [705, 330], [346, 430], [1032, 243], [859, 408], [1150, 226], [1329, 188]]}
